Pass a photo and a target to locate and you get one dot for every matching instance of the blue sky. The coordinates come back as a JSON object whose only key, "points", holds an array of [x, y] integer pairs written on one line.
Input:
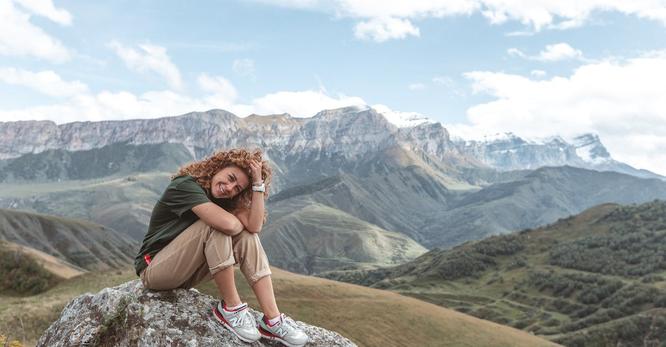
{"points": [[478, 66]]}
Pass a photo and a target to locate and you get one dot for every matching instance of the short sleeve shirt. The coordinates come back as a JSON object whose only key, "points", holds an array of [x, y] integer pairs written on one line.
{"points": [[171, 215]]}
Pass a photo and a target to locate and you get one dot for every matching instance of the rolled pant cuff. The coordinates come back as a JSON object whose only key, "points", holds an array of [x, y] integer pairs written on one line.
{"points": [[251, 280], [221, 266]]}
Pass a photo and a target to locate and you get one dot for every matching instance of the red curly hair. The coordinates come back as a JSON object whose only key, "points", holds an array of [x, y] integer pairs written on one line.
{"points": [[204, 170]]}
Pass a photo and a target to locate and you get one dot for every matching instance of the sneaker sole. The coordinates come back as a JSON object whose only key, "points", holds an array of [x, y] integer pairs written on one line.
{"points": [[267, 335], [225, 324]]}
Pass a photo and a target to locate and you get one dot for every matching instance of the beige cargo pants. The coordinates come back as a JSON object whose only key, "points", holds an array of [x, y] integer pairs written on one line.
{"points": [[199, 252]]}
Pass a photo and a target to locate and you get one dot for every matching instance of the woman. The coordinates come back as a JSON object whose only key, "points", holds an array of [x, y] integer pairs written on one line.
{"points": [[191, 237]]}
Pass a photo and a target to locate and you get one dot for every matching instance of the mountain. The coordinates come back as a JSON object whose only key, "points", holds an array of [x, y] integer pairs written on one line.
{"points": [[123, 204], [397, 189], [313, 238], [87, 245], [596, 278], [114, 159], [18, 138], [394, 191], [538, 198], [416, 180], [510, 152], [334, 135]]}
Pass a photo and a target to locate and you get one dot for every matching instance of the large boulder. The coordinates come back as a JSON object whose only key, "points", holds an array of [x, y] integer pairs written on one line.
{"points": [[130, 315]]}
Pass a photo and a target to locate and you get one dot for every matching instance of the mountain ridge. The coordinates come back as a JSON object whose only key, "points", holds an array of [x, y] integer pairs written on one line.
{"points": [[204, 132]]}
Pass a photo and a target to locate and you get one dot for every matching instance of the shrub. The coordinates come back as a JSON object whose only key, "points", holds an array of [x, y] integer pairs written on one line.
{"points": [[22, 274]]}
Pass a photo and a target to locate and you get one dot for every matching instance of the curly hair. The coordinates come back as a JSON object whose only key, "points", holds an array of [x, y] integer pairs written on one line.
{"points": [[203, 171]]}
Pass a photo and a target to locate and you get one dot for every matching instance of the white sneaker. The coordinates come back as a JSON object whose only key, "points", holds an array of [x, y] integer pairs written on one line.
{"points": [[240, 321], [284, 330]]}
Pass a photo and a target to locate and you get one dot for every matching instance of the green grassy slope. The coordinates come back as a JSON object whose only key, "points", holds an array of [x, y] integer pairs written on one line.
{"points": [[87, 245], [574, 281], [369, 317], [315, 237]]}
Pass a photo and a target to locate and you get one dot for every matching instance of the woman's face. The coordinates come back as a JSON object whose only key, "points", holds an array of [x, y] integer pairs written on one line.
{"points": [[228, 182]]}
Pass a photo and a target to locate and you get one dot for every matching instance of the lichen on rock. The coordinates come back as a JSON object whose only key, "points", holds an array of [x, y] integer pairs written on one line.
{"points": [[130, 315]]}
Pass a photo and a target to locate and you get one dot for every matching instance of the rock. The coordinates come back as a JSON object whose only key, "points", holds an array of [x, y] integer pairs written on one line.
{"points": [[130, 315]]}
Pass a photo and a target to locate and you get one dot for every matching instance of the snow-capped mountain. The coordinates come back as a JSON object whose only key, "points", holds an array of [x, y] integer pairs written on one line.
{"points": [[402, 119], [507, 151], [590, 149]]}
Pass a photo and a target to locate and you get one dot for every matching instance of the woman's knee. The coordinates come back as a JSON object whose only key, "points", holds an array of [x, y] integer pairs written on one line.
{"points": [[246, 236], [247, 244]]}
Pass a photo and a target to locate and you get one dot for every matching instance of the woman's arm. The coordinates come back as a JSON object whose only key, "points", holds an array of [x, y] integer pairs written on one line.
{"points": [[253, 218], [218, 218]]}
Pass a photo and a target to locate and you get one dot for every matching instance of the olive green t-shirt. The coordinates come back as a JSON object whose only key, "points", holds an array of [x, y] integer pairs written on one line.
{"points": [[171, 215]]}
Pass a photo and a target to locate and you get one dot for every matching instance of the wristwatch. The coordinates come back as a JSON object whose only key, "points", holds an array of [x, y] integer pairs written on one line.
{"points": [[260, 188]]}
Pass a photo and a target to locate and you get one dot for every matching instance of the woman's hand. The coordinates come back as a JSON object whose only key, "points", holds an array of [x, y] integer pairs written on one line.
{"points": [[255, 171]]}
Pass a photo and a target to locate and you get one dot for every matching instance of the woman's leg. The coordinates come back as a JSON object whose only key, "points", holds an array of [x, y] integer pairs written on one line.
{"points": [[250, 255], [192, 256], [226, 284], [263, 290], [254, 265]]}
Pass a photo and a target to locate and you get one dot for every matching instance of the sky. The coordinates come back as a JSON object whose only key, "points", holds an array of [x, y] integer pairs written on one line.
{"points": [[480, 67]]}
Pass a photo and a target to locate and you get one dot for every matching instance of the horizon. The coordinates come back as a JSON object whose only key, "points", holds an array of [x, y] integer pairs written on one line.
{"points": [[535, 70]]}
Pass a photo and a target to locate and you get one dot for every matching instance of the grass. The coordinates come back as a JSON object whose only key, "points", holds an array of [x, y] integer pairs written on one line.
{"points": [[26, 318], [372, 317], [9, 342], [369, 317], [526, 290]]}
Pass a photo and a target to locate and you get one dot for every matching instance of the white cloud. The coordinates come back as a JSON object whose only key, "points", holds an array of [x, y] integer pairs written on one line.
{"points": [[383, 29], [46, 82], [536, 15], [301, 4], [559, 51], [149, 58], [107, 105], [302, 103], [416, 86], [538, 73], [244, 67], [80, 104], [222, 92], [406, 9], [19, 37], [516, 52], [45, 8], [621, 101], [555, 52], [453, 88], [519, 33], [443, 80]]}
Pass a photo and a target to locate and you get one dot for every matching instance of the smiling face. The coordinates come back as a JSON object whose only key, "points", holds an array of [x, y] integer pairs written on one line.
{"points": [[228, 182]]}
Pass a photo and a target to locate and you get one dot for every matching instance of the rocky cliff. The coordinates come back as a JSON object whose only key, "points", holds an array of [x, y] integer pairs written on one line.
{"points": [[342, 134]]}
